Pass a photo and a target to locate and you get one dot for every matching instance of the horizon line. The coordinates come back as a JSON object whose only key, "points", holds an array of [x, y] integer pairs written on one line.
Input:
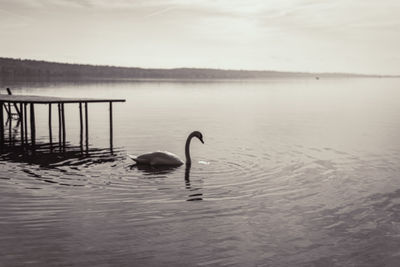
{"points": [[204, 68]]}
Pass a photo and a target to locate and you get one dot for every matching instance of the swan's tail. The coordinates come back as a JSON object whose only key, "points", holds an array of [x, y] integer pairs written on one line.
{"points": [[132, 157]]}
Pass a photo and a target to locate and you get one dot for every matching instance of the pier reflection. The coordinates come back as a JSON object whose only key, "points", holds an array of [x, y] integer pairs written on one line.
{"points": [[50, 155]]}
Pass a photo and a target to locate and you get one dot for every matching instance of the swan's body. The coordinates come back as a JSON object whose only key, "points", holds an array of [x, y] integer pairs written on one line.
{"points": [[164, 158]]}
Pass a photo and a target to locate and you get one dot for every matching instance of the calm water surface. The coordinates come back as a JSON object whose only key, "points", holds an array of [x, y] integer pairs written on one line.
{"points": [[292, 173]]}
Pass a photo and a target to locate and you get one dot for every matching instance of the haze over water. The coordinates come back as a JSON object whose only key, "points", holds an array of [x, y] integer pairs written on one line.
{"points": [[292, 172]]}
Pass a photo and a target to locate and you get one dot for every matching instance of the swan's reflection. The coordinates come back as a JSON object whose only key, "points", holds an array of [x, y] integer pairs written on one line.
{"points": [[163, 170], [191, 197], [187, 177], [151, 170]]}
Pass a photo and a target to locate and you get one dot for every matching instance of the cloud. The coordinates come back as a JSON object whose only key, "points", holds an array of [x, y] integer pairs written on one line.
{"points": [[162, 11]]}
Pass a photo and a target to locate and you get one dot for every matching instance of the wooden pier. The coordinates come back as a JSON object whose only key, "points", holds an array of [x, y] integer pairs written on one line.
{"points": [[20, 104]]}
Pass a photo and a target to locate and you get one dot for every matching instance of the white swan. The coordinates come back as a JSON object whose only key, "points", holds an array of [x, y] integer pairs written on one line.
{"points": [[164, 158]]}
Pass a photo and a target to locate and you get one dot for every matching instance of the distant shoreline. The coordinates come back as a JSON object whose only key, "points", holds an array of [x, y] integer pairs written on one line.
{"points": [[19, 70]]}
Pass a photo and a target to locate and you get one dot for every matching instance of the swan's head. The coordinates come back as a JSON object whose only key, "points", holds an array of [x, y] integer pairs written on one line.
{"points": [[198, 135]]}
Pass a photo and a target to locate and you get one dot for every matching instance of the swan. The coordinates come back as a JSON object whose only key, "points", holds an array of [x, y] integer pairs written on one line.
{"points": [[164, 158]]}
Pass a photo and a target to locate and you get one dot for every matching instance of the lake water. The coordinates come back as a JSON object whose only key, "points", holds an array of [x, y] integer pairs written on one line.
{"points": [[292, 173]]}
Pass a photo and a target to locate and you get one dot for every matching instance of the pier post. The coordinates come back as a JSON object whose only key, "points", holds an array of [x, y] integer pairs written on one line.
{"points": [[15, 104], [26, 123], [63, 125], [86, 127], [9, 125], [81, 126], [33, 127], [50, 129], [8, 112], [111, 128], [1, 125], [59, 126], [21, 119]]}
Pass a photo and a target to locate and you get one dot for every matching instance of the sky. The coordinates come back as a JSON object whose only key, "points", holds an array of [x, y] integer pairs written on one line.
{"points": [[357, 36]]}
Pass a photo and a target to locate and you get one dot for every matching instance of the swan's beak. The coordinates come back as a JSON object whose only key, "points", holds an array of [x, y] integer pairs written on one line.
{"points": [[201, 139]]}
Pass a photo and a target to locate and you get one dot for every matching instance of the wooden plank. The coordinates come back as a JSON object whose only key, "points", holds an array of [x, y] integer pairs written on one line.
{"points": [[51, 99]]}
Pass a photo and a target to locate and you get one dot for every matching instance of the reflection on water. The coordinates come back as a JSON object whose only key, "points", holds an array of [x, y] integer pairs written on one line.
{"points": [[293, 173], [164, 172], [49, 155], [195, 195]]}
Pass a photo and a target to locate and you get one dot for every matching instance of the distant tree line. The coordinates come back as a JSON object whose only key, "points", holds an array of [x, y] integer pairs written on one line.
{"points": [[33, 70]]}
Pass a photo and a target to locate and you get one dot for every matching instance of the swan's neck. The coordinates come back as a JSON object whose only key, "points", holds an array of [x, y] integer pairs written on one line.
{"points": [[187, 150]]}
